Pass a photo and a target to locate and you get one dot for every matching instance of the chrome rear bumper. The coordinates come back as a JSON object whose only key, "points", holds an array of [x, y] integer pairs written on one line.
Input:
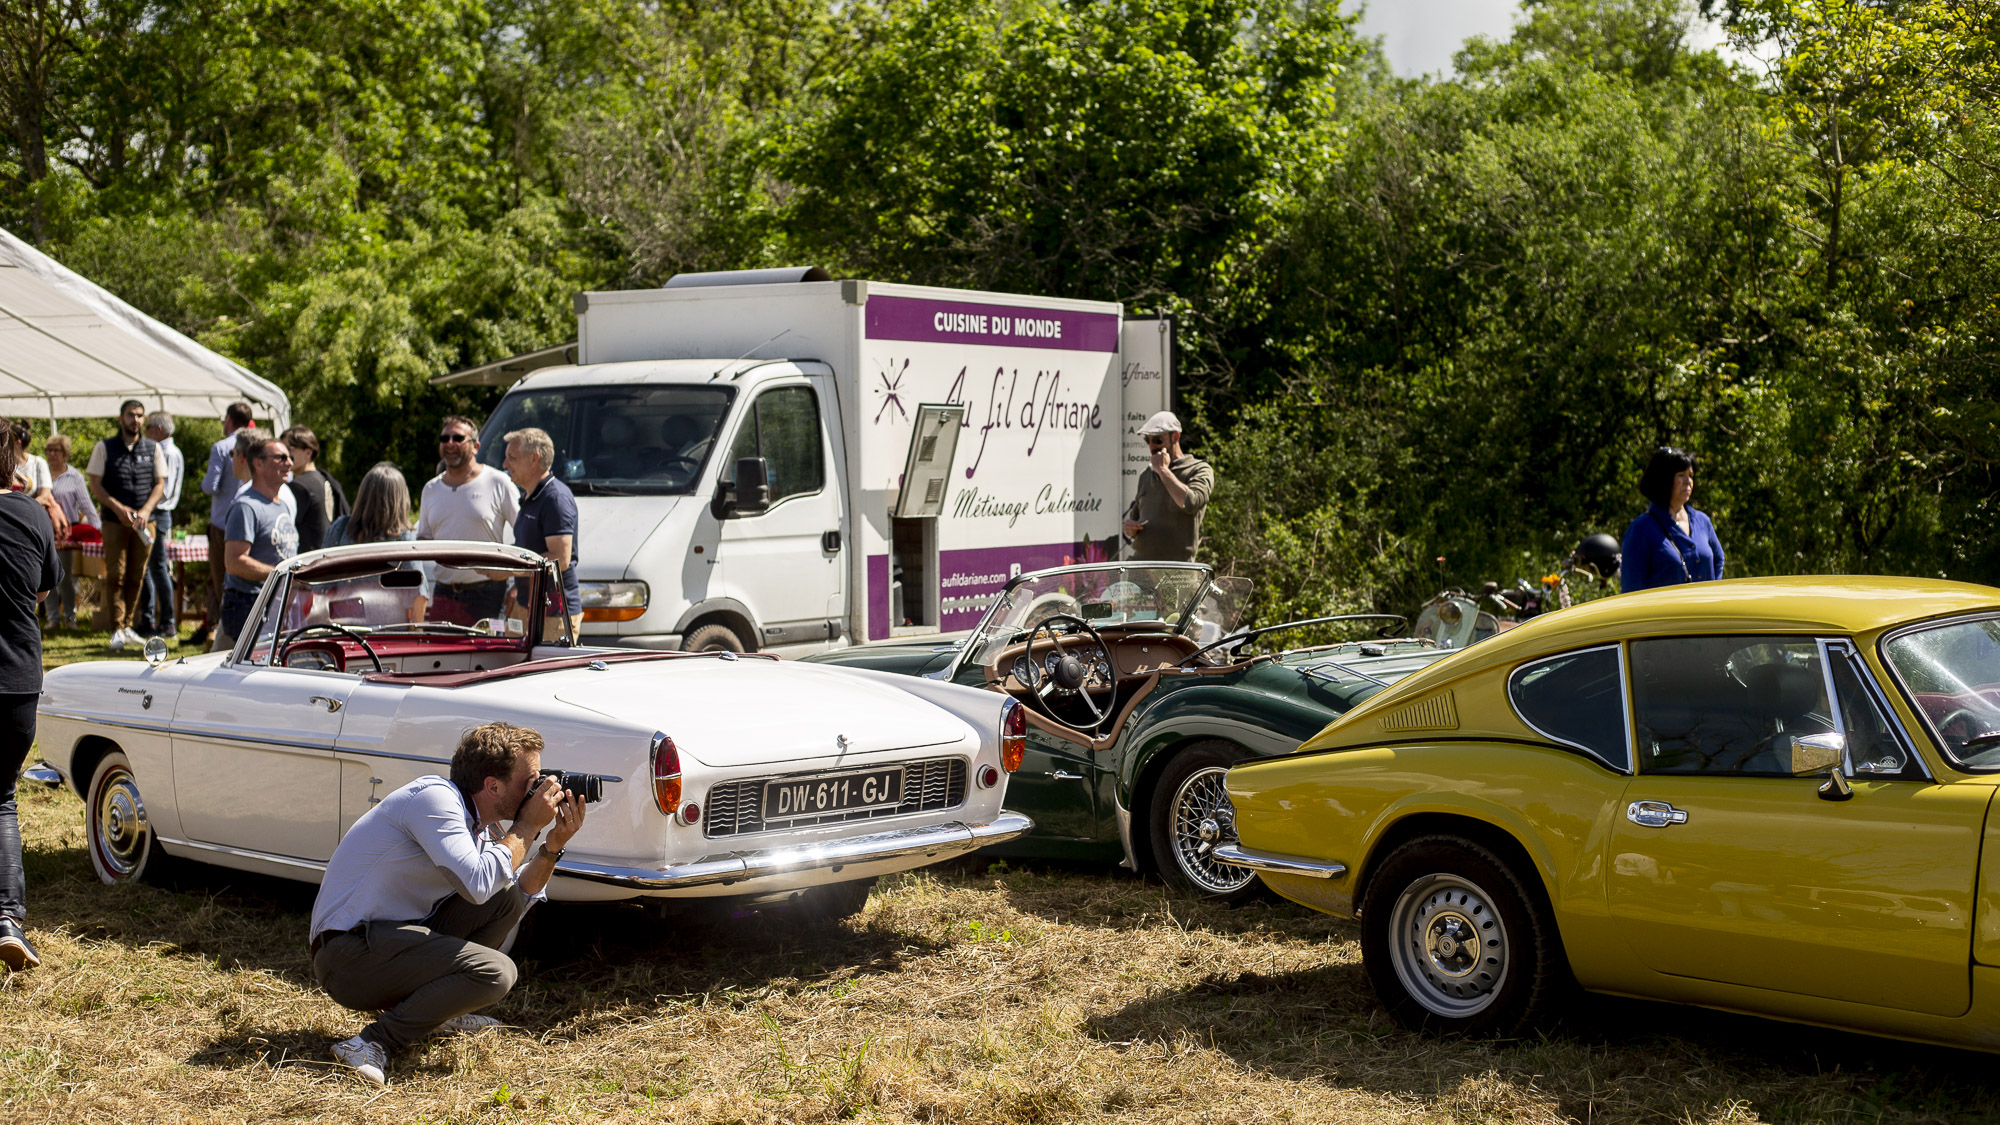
{"points": [[43, 772], [1236, 855], [934, 841]]}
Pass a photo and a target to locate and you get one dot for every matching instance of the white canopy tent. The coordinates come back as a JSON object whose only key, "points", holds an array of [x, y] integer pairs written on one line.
{"points": [[69, 349]]}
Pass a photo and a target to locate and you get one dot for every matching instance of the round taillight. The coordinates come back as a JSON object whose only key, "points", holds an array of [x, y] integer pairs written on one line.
{"points": [[691, 813], [1013, 735], [666, 774], [988, 777]]}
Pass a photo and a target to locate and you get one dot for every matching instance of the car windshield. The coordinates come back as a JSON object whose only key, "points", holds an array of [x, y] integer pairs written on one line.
{"points": [[1952, 671], [1172, 598], [394, 599], [619, 440]]}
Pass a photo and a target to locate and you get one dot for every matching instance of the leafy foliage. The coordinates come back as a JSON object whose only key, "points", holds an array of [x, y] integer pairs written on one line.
{"points": [[1446, 318]]}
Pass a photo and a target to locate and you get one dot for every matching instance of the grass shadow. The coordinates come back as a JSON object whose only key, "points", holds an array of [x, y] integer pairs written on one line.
{"points": [[1600, 1059], [1107, 896]]}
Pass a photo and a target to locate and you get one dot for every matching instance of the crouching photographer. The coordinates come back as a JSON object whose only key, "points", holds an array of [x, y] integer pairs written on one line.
{"points": [[425, 887]]}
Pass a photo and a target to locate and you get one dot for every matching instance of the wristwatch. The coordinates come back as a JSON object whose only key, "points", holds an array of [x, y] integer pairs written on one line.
{"points": [[554, 854]]}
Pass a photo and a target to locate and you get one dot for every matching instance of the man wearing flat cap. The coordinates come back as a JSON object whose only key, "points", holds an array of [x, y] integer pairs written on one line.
{"points": [[1164, 521]]}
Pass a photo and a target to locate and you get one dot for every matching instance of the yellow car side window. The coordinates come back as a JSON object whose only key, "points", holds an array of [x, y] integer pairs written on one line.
{"points": [[1733, 705]]}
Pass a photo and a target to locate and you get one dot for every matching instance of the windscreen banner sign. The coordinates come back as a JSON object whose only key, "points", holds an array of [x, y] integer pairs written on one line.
{"points": [[1036, 470]]}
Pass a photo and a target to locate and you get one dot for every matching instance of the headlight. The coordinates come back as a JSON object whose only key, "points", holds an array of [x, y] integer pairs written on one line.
{"points": [[613, 601]]}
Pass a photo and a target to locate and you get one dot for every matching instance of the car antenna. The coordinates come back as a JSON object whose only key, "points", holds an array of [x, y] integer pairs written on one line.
{"points": [[746, 355]]}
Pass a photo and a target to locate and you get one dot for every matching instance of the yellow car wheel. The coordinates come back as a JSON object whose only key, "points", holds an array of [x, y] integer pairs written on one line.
{"points": [[1456, 940]]}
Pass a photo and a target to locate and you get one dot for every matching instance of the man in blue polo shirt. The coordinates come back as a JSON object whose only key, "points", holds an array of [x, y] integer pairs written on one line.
{"points": [[546, 523]]}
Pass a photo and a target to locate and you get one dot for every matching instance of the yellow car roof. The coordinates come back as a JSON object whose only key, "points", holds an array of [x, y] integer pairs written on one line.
{"points": [[1822, 604]]}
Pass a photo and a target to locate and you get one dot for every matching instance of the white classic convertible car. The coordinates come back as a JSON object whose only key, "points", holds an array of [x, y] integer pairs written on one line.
{"points": [[721, 775]]}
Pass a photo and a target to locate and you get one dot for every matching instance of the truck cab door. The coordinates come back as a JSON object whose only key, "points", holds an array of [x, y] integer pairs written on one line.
{"points": [[785, 562]]}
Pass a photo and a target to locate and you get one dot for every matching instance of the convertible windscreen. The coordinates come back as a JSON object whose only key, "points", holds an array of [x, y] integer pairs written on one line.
{"points": [[1171, 599], [397, 600], [1952, 672]]}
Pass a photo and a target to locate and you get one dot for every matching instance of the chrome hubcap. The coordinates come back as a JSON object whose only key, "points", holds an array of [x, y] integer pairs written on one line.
{"points": [[122, 829], [1448, 945], [1204, 818]]}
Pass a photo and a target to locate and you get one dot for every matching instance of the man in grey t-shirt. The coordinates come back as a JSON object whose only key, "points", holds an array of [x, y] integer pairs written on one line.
{"points": [[257, 535], [466, 501]]}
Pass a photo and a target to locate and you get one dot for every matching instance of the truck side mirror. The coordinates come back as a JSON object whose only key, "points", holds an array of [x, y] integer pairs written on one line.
{"points": [[749, 494]]}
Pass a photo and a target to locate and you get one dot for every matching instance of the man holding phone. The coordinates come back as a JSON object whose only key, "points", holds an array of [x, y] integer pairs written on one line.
{"points": [[427, 885], [1164, 521]]}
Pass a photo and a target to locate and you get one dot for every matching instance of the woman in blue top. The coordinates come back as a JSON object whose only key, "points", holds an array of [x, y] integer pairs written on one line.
{"points": [[1671, 542]]}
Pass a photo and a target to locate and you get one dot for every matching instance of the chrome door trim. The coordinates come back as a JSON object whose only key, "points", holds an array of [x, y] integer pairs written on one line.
{"points": [[157, 727], [399, 757], [244, 853], [251, 740]]}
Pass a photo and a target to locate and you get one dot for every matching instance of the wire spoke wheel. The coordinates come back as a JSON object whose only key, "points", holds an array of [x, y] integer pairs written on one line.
{"points": [[1203, 818], [1449, 945]]}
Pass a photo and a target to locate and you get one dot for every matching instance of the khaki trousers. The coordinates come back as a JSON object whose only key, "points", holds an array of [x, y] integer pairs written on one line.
{"points": [[124, 571]]}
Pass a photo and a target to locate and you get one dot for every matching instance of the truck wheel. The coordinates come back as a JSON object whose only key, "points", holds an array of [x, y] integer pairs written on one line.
{"points": [[713, 638], [1456, 940], [122, 845], [1191, 814]]}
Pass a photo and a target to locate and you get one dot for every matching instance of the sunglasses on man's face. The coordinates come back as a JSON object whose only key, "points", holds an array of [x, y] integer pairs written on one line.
{"points": [[1156, 441], [453, 439], [281, 458]]}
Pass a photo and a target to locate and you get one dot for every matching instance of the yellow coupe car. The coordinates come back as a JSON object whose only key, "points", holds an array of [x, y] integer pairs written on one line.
{"points": [[1765, 795]]}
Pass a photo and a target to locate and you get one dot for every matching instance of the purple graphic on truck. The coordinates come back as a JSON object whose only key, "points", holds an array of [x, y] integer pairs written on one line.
{"points": [[968, 322]]}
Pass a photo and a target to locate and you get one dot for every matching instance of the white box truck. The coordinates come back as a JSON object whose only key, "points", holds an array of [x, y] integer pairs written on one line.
{"points": [[916, 448]]}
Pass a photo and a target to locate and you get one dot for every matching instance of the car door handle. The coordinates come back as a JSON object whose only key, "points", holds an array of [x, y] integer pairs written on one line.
{"points": [[829, 541], [1065, 775], [332, 704], [1654, 814]]}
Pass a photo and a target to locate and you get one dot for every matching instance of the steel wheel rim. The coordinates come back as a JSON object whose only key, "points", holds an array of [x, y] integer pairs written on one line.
{"points": [[1431, 934], [119, 829], [1203, 818]]}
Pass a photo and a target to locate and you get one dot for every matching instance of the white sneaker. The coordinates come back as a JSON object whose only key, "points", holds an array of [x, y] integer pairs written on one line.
{"points": [[368, 1059], [118, 641], [467, 1023]]}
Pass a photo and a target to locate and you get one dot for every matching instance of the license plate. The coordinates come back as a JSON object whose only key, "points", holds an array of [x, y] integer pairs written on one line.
{"points": [[797, 798]]}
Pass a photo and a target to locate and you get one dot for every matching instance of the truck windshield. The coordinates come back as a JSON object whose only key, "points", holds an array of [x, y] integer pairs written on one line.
{"points": [[617, 441]]}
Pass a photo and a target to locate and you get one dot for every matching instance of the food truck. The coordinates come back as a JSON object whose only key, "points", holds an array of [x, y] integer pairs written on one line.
{"points": [[777, 460]]}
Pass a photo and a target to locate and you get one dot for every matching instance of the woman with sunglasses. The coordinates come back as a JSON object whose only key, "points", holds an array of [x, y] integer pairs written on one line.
{"points": [[1164, 521]]}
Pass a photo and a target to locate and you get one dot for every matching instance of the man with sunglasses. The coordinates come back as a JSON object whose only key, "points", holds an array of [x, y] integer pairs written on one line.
{"points": [[1164, 521], [257, 534], [466, 501]]}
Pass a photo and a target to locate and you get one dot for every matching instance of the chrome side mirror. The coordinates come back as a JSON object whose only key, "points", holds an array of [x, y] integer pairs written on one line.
{"points": [[156, 651]]}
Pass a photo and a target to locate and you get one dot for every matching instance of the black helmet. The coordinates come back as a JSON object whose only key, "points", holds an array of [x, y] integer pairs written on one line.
{"points": [[1597, 554]]}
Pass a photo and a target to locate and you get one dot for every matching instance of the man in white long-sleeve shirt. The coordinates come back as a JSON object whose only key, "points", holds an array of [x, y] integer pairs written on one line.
{"points": [[427, 884]]}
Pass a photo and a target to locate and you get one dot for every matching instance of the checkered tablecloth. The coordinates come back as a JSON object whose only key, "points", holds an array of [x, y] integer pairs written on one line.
{"points": [[178, 550]]}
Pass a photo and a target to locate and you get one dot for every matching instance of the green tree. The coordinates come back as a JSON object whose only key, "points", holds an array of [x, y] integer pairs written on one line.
{"points": [[1139, 152]]}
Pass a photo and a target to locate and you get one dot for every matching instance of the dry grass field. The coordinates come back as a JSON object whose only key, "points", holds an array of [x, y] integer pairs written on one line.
{"points": [[970, 993]]}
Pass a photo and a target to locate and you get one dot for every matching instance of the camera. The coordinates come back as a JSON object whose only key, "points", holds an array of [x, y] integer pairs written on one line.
{"points": [[587, 787]]}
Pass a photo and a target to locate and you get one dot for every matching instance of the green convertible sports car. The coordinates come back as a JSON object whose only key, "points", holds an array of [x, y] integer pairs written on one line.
{"points": [[1141, 693]]}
